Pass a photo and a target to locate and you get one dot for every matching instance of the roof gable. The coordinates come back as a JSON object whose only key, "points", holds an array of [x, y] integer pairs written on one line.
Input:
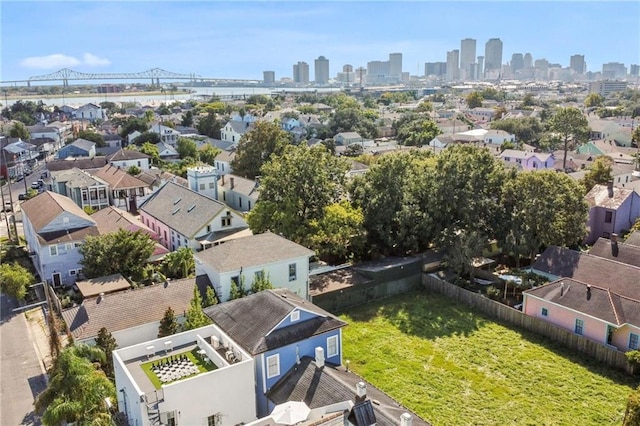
{"points": [[118, 178], [253, 321], [48, 207]]}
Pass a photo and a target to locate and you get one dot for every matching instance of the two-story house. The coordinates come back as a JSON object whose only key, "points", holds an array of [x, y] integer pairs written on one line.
{"points": [[48, 132], [85, 190], [243, 260], [90, 112], [278, 328], [347, 138], [238, 193], [167, 134], [611, 211], [185, 218], [126, 191], [223, 162], [197, 377], [233, 131], [55, 227]]}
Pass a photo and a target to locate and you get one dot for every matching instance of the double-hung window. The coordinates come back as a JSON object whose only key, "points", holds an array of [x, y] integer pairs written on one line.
{"points": [[633, 341], [579, 329], [273, 366], [332, 346]]}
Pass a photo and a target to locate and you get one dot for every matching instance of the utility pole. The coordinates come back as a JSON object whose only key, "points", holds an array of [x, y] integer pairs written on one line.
{"points": [[6, 217], [13, 216]]}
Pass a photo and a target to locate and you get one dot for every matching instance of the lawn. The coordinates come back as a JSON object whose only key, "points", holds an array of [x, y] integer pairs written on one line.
{"points": [[454, 366], [192, 355]]}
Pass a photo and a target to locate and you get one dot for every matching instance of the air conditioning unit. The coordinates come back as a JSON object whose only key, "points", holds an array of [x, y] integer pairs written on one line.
{"points": [[229, 356], [216, 342]]}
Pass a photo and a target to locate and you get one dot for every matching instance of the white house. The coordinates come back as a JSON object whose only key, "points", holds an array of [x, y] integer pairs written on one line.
{"points": [[498, 137], [233, 131], [223, 162], [126, 158], [347, 138], [167, 152], [90, 112], [186, 218], [219, 391], [238, 193], [55, 227], [243, 260], [52, 133], [167, 134]]}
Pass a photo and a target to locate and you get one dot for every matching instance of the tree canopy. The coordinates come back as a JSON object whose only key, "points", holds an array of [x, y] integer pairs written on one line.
{"points": [[527, 130], [168, 324], [256, 148], [195, 316], [187, 148], [415, 129], [15, 279], [474, 100], [295, 188], [571, 126], [18, 130], [123, 252], [600, 172], [179, 263], [93, 137]]}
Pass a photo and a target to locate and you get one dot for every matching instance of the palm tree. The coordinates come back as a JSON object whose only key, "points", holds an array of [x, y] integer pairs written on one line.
{"points": [[180, 263], [77, 389]]}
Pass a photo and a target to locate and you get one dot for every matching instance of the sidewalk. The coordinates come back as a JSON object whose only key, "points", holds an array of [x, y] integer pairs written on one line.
{"points": [[39, 337]]}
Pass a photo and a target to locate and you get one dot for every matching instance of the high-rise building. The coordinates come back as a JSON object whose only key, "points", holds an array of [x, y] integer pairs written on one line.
{"points": [[542, 69], [634, 70], [268, 77], [321, 70], [528, 60], [467, 57], [377, 71], [435, 68], [480, 70], [517, 63], [395, 65], [493, 55], [301, 73], [614, 70], [361, 75], [347, 68], [453, 60], [347, 75], [576, 63]]}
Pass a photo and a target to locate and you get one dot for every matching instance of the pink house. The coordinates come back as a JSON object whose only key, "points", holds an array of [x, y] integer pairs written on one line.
{"points": [[590, 295]]}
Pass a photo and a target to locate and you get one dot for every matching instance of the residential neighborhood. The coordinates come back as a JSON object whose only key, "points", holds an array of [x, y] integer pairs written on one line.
{"points": [[451, 248]]}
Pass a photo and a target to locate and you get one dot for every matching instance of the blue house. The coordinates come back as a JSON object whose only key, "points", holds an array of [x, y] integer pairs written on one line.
{"points": [[279, 328], [78, 148]]}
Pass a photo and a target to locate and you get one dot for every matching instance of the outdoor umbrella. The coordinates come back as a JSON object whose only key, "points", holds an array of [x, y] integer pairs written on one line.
{"points": [[290, 413]]}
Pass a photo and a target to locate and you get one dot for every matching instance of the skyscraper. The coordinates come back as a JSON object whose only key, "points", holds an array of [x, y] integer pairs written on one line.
{"points": [[517, 62], [268, 77], [301, 72], [453, 59], [528, 60], [395, 64], [321, 70], [467, 57], [493, 55], [480, 67], [577, 64]]}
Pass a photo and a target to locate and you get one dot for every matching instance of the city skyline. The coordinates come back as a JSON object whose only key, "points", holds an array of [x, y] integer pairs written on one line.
{"points": [[241, 40]]}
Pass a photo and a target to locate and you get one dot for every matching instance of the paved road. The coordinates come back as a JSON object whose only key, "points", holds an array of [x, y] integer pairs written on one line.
{"points": [[21, 374]]}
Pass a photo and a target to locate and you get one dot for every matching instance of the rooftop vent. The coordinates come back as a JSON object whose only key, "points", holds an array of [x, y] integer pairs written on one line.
{"points": [[175, 211], [191, 207], [319, 357], [177, 201], [361, 389]]}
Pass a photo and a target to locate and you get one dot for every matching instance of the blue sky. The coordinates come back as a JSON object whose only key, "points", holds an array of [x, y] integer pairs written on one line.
{"points": [[241, 39]]}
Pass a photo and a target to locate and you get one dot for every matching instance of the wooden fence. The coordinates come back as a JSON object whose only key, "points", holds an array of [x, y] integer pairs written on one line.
{"points": [[592, 349]]}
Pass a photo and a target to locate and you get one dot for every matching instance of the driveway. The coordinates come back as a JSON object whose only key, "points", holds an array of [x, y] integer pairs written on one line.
{"points": [[21, 373]]}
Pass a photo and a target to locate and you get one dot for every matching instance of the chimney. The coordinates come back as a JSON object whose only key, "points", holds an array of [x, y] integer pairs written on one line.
{"points": [[361, 391], [562, 288], [319, 357], [614, 245], [588, 291], [101, 297], [231, 182], [610, 188], [406, 419]]}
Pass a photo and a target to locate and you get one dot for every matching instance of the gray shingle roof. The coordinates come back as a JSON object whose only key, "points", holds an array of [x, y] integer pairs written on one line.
{"points": [[565, 263], [127, 154], [173, 205], [601, 196], [80, 163], [620, 252], [249, 319], [131, 308], [255, 250], [83, 144], [595, 301]]}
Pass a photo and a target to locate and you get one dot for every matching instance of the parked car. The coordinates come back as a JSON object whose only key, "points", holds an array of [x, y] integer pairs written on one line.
{"points": [[35, 185], [22, 197], [7, 207]]}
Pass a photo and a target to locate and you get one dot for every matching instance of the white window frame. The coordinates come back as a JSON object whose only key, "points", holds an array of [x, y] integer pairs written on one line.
{"points": [[53, 250], [68, 246], [271, 373], [295, 316], [72, 272], [337, 350]]}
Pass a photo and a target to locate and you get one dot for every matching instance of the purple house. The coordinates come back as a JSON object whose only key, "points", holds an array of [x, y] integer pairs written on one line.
{"points": [[611, 211], [526, 160]]}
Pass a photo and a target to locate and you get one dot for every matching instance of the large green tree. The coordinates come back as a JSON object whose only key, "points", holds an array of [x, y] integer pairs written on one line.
{"points": [[77, 390], [256, 148], [354, 119], [527, 130], [133, 124], [600, 172], [152, 151], [570, 125], [210, 125], [295, 189], [415, 130], [18, 130], [187, 148], [474, 100], [123, 252], [15, 279], [179, 263], [593, 100], [208, 153], [168, 324], [542, 208]]}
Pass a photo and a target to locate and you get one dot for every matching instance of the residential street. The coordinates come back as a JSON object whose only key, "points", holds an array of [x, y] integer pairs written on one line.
{"points": [[21, 371]]}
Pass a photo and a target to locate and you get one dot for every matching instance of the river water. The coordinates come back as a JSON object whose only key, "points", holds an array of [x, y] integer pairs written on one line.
{"points": [[144, 99]]}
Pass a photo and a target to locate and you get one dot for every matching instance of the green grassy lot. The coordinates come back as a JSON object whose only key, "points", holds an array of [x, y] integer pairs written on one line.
{"points": [[192, 355], [454, 366]]}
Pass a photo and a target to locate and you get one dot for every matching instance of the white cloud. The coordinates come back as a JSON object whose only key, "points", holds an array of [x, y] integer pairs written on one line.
{"points": [[58, 60], [95, 61]]}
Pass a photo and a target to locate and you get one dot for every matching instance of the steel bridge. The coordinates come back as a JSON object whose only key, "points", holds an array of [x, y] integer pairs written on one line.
{"points": [[154, 75]]}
